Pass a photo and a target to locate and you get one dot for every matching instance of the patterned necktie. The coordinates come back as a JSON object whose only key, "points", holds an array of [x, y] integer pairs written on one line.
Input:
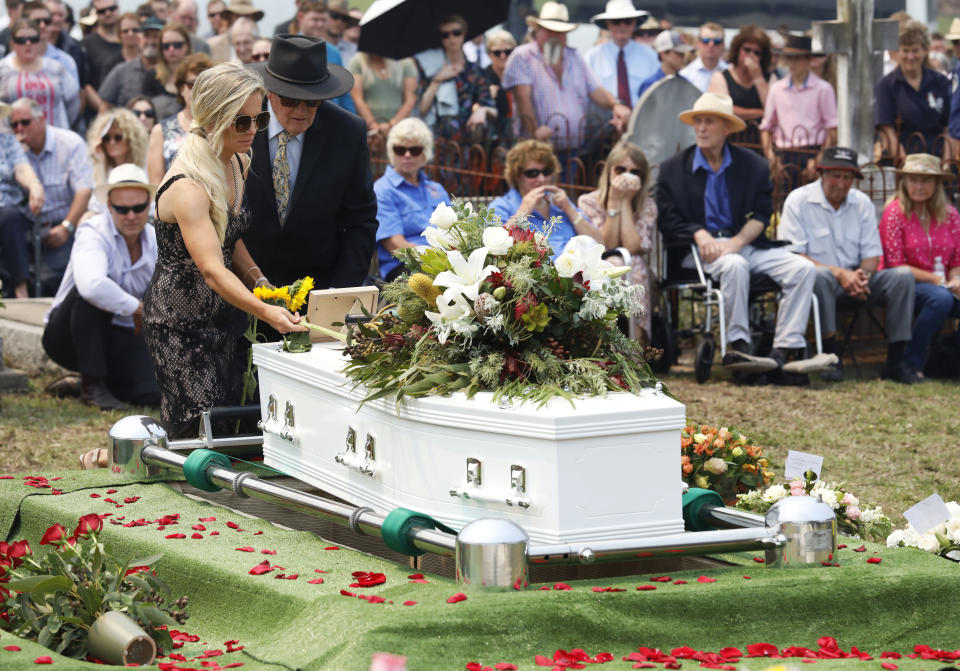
{"points": [[281, 176], [623, 83]]}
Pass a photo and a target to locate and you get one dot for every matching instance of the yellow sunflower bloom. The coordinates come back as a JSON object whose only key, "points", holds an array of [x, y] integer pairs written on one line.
{"points": [[274, 296], [299, 298]]}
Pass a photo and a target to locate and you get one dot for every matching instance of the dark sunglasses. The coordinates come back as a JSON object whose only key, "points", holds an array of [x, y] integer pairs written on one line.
{"points": [[173, 45], [533, 173], [259, 57], [403, 151], [451, 33], [43, 22], [150, 114], [34, 39], [117, 137], [126, 209], [127, 31], [337, 16], [717, 41], [619, 170], [215, 15], [18, 124], [107, 10], [501, 52], [243, 122], [293, 102], [621, 22], [755, 52]]}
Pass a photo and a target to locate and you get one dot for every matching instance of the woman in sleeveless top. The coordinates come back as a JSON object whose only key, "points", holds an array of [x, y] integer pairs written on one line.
{"points": [[193, 309], [745, 81]]}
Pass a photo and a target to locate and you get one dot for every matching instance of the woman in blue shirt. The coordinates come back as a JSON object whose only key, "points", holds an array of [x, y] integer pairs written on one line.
{"points": [[530, 166], [405, 197]]}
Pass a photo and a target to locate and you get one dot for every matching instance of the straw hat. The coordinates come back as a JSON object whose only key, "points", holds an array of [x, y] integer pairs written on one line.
{"points": [[954, 33], [618, 9], [126, 175], [553, 16], [926, 165], [244, 8], [4, 110], [714, 104]]}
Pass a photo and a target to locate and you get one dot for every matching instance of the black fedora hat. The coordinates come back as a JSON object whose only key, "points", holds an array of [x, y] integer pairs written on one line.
{"points": [[797, 45], [297, 68]]}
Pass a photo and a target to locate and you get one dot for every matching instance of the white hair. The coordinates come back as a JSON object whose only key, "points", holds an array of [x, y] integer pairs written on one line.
{"points": [[31, 106], [411, 129]]}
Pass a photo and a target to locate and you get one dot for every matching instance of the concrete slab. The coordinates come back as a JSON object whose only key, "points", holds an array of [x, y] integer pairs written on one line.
{"points": [[21, 329]]}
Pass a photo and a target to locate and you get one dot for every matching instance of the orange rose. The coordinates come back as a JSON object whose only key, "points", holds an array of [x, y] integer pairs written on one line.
{"points": [[686, 442], [687, 469], [684, 459]]}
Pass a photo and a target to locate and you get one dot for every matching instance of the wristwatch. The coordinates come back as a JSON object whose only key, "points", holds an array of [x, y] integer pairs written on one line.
{"points": [[612, 213], [67, 224]]}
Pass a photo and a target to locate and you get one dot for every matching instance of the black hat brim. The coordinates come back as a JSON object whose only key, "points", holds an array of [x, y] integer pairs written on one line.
{"points": [[338, 82]]}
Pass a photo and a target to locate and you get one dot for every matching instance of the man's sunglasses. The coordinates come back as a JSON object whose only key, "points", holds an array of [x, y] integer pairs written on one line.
{"points": [[533, 173], [755, 52], [173, 45], [621, 22], [128, 31], [403, 151], [126, 209], [259, 58], [150, 114], [457, 32], [619, 170], [716, 41], [337, 16], [293, 102], [501, 52], [45, 21], [33, 39], [243, 122], [14, 125], [107, 10]]}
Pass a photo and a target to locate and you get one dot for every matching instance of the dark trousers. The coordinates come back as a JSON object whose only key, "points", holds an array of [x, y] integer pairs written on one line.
{"points": [[14, 228], [80, 336]]}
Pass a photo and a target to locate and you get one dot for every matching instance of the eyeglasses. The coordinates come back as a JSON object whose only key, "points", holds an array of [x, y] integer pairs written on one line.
{"points": [[45, 21], [107, 10], [243, 122], [117, 137], [215, 15], [128, 31], [150, 114], [126, 209], [259, 58], [293, 102], [173, 45], [337, 16], [451, 33], [33, 39], [533, 173], [621, 22], [501, 52], [14, 125], [403, 151], [716, 41], [750, 50], [620, 169]]}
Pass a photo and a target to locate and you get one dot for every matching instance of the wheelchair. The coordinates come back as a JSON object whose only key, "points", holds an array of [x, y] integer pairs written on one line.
{"points": [[691, 307]]}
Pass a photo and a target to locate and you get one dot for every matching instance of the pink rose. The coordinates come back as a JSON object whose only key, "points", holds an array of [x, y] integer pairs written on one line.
{"points": [[853, 512], [797, 488], [849, 500]]}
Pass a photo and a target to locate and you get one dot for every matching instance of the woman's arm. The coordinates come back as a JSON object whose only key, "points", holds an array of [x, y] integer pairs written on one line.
{"points": [[362, 108], [155, 167], [395, 242], [27, 178], [409, 100]]}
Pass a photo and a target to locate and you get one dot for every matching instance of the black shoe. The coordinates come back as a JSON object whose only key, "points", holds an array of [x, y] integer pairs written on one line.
{"points": [[834, 373], [68, 385], [94, 392], [782, 377], [901, 372]]}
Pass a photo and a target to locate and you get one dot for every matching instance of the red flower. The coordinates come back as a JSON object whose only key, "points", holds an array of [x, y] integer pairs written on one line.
{"points": [[54, 535], [874, 560], [458, 597], [88, 524]]}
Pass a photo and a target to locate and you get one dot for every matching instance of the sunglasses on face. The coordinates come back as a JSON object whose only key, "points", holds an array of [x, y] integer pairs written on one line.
{"points": [[716, 41], [32, 39], [20, 124], [403, 151], [755, 52], [293, 102], [215, 15], [501, 52], [457, 32], [45, 21], [107, 10], [150, 114], [621, 22], [620, 169], [173, 45], [112, 138], [243, 122], [337, 16], [126, 209], [259, 57], [130, 31], [533, 173]]}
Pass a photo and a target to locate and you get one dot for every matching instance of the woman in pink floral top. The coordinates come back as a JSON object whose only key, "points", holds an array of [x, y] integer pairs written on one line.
{"points": [[623, 215], [917, 227]]}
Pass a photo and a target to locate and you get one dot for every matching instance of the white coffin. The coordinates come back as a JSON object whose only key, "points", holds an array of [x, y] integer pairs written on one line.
{"points": [[607, 469]]}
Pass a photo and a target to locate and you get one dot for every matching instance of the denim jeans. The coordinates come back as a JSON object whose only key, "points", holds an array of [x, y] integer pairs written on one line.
{"points": [[934, 305]]}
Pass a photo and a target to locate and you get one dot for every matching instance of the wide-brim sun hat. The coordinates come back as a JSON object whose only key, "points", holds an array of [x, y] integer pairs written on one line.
{"points": [[926, 165], [244, 8], [297, 68], [713, 104], [553, 16], [125, 175], [618, 9], [954, 33]]}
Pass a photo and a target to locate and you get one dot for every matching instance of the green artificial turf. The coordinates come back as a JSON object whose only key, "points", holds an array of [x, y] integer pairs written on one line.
{"points": [[908, 599]]}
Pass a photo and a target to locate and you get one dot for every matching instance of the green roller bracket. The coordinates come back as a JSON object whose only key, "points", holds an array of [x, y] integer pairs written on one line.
{"points": [[396, 530], [195, 468], [694, 501]]}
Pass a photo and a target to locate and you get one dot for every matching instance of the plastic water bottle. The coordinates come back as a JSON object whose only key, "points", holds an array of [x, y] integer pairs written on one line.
{"points": [[938, 269]]}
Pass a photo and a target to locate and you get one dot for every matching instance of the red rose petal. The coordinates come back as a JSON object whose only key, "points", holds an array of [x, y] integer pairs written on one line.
{"points": [[415, 576], [198, 527], [759, 560], [420, 581], [94, 496], [368, 579], [889, 666], [245, 548], [175, 536], [11, 648], [679, 582], [208, 519], [315, 581], [874, 560], [332, 547], [196, 536], [257, 533], [705, 579], [131, 499], [862, 548], [458, 597], [344, 592], [111, 491], [890, 655], [646, 588], [662, 578], [292, 576], [43, 659], [233, 525], [545, 588], [261, 568], [746, 577], [214, 533], [562, 587], [268, 552], [505, 666], [320, 570], [409, 603], [841, 546]]}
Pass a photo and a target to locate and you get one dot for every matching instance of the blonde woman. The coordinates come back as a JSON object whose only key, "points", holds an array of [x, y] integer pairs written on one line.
{"points": [[193, 309], [174, 47], [115, 137], [384, 91], [623, 215]]}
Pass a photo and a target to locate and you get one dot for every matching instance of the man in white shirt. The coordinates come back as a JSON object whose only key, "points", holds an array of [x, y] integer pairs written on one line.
{"points": [[621, 64], [94, 324], [709, 52]]}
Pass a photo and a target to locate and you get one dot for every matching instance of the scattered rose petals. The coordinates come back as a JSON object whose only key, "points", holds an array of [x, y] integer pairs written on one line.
{"points": [[268, 552], [257, 533], [608, 589], [661, 578], [874, 560], [94, 496], [841, 546], [261, 568], [111, 491], [131, 499], [175, 536], [315, 581], [233, 525], [11, 648], [562, 587], [196, 536], [210, 653], [679, 582], [862, 548], [332, 547], [409, 603], [320, 570], [705, 579], [233, 647], [43, 659], [368, 579], [889, 666], [505, 666], [458, 597], [746, 577], [198, 527], [646, 588], [890, 655], [415, 576], [245, 548], [759, 560], [208, 519], [214, 533]]}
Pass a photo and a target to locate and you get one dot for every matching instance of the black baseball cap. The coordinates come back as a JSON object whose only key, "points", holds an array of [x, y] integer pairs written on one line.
{"points": [[840, 158]]}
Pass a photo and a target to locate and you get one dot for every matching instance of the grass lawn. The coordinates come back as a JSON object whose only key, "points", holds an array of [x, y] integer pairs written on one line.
{"points": [[893, 445]]}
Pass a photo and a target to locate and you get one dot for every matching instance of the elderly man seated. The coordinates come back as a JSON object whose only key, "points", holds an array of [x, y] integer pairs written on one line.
{"points": [[94, 324], [719, 196], [835, 226]]}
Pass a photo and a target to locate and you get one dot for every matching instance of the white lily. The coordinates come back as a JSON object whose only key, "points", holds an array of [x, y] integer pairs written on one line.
{"points": [[438, 238], [443, 216], [454, 313], [468, 274]]}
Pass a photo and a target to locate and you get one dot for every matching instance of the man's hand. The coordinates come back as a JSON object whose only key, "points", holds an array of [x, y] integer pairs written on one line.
{"points": [[854, 283], [712, 248], [138, 319], [621, 116], [57, 236], [543, 133]]}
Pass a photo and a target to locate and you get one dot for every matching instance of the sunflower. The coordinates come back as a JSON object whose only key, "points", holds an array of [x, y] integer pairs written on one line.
{"points": [[272, 295], [301, 289]]}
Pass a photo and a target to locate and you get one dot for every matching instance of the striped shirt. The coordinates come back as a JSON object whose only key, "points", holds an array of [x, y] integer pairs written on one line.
{"points": [[63, 166], [561, 106], [51, 87]]}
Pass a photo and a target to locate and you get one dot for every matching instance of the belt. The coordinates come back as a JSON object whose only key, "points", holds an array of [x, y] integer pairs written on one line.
{"points": [[721, 234]]}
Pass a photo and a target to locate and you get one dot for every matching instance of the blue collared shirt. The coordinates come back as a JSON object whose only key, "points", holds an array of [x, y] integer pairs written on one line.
{"points": [[716, 198], [345, 101], [404, 209], [641, 62], [506, 206]]}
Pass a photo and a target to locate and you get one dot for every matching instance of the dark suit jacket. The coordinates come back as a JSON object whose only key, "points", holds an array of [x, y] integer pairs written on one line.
{"points": [[680, 193], [331, 225]]}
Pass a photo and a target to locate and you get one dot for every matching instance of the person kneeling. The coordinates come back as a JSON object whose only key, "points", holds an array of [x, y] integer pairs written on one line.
{"points": [[94, 324]]}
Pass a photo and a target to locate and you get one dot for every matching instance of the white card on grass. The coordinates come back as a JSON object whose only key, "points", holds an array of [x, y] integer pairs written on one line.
{"points": [[799, 463], [927, 514]]}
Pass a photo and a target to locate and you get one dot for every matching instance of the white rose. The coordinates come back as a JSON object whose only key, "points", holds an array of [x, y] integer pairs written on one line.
{"points": [[437, 238], [928, 542], [568, 263], [774, 493], [954, 508], [497, 240], [715, 465], [953, 530], [829, 497], [443, 217], [894, 539]]}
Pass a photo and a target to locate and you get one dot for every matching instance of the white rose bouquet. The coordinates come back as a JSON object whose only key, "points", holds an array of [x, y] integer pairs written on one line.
{"points": [[943, 539]]}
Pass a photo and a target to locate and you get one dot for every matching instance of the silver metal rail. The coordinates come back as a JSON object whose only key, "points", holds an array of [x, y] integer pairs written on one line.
{"points": [[731, 518]]}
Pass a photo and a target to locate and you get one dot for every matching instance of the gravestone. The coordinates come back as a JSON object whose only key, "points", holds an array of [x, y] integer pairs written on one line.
{"points": [[654, 126]]}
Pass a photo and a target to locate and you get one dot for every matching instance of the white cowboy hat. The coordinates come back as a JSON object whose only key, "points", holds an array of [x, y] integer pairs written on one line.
{"points": [[553, 16], [618, 9], [954, 33], [126, 175], [714, 104]]}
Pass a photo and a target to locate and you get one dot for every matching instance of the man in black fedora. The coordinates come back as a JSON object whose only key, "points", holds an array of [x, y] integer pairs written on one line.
{"points": [[310, 190]]}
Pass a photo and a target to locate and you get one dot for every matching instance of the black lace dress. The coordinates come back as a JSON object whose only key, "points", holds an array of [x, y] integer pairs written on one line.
{"points": [[193, 334]]}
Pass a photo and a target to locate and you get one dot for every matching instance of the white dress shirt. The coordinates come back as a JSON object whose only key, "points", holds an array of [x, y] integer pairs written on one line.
{"points": [[699, 75], [294, 146], [101, 269]]}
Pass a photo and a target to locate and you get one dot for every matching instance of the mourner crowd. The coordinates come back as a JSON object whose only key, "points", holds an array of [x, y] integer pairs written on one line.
{"points": [[151, 177]]}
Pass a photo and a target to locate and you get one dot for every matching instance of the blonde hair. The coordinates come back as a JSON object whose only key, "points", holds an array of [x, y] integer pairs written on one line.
{"points": [[218, 95], [163, 70], [132, 130], [936, 207], [410, 129], [620, 151]]}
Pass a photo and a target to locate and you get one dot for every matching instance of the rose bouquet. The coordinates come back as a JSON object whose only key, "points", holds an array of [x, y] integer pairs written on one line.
{"points": [[721, 459], [483, 307], [54, 597], [943, 539], [853, 518]]}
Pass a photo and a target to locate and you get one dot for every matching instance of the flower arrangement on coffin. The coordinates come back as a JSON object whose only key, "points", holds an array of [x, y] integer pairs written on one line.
{"points": [[853, 518], [721, 459], [484, 308], [55, 597], [943, 539]]}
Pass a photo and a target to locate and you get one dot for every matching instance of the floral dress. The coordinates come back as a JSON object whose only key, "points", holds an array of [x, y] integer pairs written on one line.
{"points": [[192, 333], [473, 86], [173, 135], [646, 225]]}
